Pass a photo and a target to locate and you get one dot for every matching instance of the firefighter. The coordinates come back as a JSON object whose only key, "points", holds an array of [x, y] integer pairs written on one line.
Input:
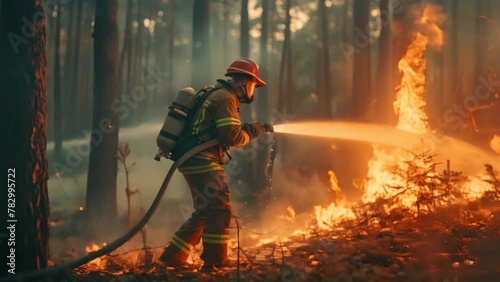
{"points": [[204, 172]]}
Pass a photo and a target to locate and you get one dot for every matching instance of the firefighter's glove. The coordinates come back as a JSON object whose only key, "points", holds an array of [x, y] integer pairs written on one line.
{"points": [[268, 127], [254, 129]]}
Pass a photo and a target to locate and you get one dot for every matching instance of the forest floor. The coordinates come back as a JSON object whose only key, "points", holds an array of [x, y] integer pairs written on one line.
{"points": [[453, 244]]}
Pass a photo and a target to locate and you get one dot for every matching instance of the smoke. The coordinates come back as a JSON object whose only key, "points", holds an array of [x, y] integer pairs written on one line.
{"points": [[297, 187], [429, 22]]}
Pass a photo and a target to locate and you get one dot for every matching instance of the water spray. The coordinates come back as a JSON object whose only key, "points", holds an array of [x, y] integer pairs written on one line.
{"points": [[363, 132], [466, 157]]}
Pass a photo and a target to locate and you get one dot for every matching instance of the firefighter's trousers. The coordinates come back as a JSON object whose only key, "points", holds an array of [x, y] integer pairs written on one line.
{"points": [[210, 221]]}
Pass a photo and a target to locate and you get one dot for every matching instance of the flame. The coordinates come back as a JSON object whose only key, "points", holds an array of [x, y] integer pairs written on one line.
{"points": [[334, 186], [120, 261], [410, 103], [290, 212], [332, 215], [92, 247], [337, 211], [380, 174], [382, 180], [388, 172], [474, 187], [495, 144], [81, 209]]}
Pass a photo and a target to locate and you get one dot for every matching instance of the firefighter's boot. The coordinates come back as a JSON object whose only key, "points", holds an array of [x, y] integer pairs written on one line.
{"points": [[183, 241]]}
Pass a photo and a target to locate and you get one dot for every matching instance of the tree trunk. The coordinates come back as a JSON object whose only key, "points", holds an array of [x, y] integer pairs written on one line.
{"points": [[23, 79], [200, 66], [285, 77], [361, 86], [244, 30], [346, 24], [148, 38], [479, 37], [139, 46], [324, 87], [127, 41], [383, 78], [456, 85], [130, 57], [225, 32], [262, 109], [286, 66], [85, 112], [73, 123], [263, 99], [101, 203], [145, 106], [69, 47], [58, 107], [245, 112], [171, 50], [483, 8]]}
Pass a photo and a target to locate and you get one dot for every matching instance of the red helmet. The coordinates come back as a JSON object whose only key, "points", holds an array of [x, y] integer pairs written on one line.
{"points": [[246, 66]]}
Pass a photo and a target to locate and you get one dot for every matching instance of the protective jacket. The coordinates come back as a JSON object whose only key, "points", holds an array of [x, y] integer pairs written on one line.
{"points": [[217, 118]]}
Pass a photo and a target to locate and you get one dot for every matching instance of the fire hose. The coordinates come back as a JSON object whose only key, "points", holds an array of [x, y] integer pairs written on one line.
{"points": [[127, 236]]}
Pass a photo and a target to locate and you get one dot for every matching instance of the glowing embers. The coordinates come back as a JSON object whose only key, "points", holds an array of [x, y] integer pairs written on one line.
{"points": [[93, 247], [121, 261]]}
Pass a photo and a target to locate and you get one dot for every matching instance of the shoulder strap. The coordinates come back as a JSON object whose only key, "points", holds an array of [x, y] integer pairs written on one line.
{"points": [[201, 96]]}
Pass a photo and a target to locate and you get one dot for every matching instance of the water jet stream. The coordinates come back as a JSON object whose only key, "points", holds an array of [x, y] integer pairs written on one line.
{"points": [[464, 156], [364, 132]]}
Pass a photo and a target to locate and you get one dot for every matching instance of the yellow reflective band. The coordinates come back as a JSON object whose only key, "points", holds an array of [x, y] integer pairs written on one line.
{"points": [[213, 164], [215, 238], [203, 112], [180, 240], [215, 241], [196, 125], [205, 156], [208, 235], [201, 168], [179, 243], [200, 117], [227, 121]]}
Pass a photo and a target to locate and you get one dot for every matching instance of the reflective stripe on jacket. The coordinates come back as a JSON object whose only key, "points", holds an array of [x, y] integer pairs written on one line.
{"points": [[218, 117]]}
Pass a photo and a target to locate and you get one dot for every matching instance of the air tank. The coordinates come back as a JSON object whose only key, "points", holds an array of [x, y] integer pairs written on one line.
{"points": [[177, 120]]}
